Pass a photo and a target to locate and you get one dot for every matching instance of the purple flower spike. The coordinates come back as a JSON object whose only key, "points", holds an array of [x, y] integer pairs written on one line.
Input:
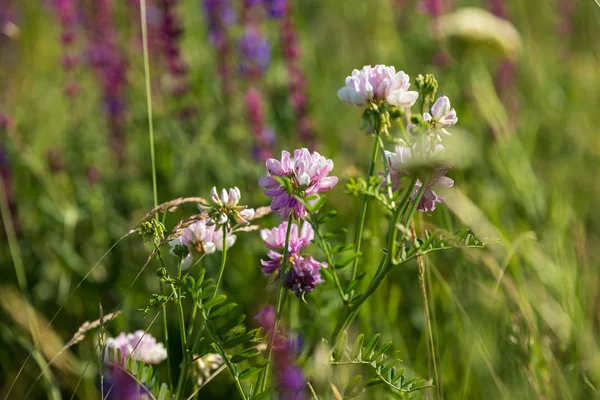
{"points": [[308, 175], [255, 53]]}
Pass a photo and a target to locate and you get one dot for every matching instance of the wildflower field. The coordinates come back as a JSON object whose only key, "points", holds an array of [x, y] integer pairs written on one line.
{"points": [[286, 199]]}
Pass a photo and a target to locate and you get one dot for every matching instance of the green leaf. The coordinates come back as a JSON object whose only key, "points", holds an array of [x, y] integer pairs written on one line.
{"points": [[370, 346], [340, 348], [244, 355], [358, 347], [224, 310], [347, 259], [218, 299], [327, 216], [230, 324], [207, 292]]}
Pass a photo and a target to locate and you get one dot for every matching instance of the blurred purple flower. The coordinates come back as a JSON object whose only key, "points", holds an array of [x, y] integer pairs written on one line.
{"points": [[219, 16], [67, 15], [307, 173], [264, 137], [498, 8], [255, 53], [170, 34], [120, 385], [276, 8], [566, 9], [110, 67], [290, 379]]}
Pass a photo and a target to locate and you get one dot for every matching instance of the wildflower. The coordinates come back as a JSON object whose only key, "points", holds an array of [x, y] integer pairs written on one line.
{"points": [[139, 345], [405, 159], [441, 117], [201, 238], [275, 238], [376, 85], [305, 272], [255, 53], [304, 275], [206, 365], [276, 8], [226, 208], [306, 174], [67, 14]]}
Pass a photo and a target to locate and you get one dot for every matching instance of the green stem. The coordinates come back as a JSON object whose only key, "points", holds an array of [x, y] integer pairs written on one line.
{"points": [[385, 264], [328, 256], [186, 366], [386, 166], [181, 320], [363, 210], [223, 355], [262, 379], [148, 96]]}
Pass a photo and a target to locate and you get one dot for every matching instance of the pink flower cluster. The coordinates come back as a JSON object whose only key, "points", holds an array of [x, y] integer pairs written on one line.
{"points": [[376, 85], [138, 345], [308, 175], [201, 238], [403, 159], [305, 273]]}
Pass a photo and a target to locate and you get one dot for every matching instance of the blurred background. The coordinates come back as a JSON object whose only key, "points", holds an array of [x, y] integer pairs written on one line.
{"points": [[236, 81]]}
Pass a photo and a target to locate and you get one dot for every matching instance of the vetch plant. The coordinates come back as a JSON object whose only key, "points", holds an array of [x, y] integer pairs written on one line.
{"points": [[266, 361]]}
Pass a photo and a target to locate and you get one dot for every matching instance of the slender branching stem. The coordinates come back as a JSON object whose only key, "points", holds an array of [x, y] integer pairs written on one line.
{"points": [[262, 379], [363, 209], [328, 256]]}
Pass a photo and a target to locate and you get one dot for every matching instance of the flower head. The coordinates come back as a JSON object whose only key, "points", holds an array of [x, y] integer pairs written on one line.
{"points": [[304, 275], [201, 238], [226, 208], [406, 159], [378, 84], [305, 272], [307, 174], [442, 116], [140, 346]]}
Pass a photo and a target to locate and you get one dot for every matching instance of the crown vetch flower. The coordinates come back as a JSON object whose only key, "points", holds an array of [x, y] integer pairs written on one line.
{"points": [[201, 238], [307, 174], [407, 158], [378, 84], [226, 207], [442, 116], [304, 275], [138, 345]]}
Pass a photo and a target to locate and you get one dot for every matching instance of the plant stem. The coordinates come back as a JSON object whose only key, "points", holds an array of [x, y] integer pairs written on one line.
{"points": [[186, 366], [363, 210], [148, 96], [181, 319], [386, 166], [323, 245], [262, 379], [385, 264]]}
